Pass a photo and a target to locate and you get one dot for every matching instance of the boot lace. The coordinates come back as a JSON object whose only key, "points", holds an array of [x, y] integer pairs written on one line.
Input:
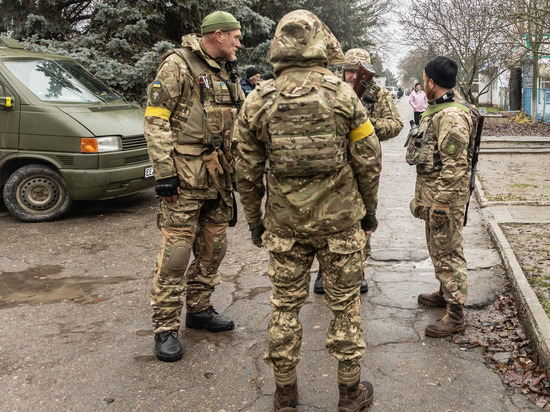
{"points": [[447, 314]]}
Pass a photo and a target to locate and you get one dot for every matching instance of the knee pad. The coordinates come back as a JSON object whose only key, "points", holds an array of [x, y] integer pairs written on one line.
{"points": [[178, 258]]}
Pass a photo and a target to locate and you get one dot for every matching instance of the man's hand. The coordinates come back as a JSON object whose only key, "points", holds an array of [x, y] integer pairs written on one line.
{"points": [[440, 212], [256, 231], [168, 189], [369, 223]]}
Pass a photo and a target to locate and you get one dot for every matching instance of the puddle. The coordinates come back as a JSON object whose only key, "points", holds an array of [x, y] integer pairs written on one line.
{"points": [[34, 286]]}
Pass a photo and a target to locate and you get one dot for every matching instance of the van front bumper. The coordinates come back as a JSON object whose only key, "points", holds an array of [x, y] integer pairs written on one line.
{"points": [[107, 183]]}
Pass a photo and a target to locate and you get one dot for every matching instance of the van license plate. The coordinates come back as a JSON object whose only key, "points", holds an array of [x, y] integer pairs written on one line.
{"points": [[149, 172]]}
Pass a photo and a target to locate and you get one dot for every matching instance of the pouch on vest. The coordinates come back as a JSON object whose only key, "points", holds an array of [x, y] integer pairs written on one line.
{"points": [[221, 93], [302, 131], [422, 150], [194, 128], [190, 166]]}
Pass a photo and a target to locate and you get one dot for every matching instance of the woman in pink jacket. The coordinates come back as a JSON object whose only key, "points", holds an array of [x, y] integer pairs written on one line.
{"points": [[418, 101]]}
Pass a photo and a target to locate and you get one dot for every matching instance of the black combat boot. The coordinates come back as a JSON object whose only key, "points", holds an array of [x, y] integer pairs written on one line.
{"points": [[210, 320], [364, 286], [167, 346], [318, 285], [451, 322], [354, 395], [286, 392], [433, 300]]}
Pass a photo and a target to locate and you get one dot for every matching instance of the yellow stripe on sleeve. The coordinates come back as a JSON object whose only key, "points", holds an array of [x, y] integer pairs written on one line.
{"points": [[158, 112], [361, 132]]}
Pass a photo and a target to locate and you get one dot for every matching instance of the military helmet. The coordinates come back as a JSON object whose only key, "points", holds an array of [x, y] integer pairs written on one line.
{"points": [[354, 57]]}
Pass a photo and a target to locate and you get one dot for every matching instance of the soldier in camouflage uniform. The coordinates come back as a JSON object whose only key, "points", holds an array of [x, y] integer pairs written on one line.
{"points": [[322, 183], [190, 113], [442, 152], [384, 117]]}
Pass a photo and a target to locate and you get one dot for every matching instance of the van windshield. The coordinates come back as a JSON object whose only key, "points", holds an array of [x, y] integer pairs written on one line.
{"points": [[62, 81]]}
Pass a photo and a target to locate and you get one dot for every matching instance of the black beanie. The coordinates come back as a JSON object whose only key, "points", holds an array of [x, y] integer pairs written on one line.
{"points": [[442, 70], [251, 71]]}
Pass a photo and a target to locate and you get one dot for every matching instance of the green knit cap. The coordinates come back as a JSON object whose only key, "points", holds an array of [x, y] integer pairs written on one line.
{"points": [[219, 20]]}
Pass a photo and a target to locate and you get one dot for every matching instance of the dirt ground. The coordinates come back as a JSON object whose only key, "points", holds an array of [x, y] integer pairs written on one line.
{"points": [[521, 177], [517, 177], [506, 127]]}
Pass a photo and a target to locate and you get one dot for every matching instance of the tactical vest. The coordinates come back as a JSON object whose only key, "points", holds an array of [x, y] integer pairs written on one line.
{"points": [[302, 126], [205, 113], [422, 149]]}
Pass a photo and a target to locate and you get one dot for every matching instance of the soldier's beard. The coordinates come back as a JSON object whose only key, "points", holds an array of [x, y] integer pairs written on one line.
{"points": [[430, 94]]}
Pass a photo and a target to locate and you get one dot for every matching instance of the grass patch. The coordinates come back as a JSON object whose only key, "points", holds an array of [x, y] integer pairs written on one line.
{"points": [[524, 185], [507, 197]]}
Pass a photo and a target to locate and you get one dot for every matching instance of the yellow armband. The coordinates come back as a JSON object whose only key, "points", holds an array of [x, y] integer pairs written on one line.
{"points": [[158, 112], [361, 132]]}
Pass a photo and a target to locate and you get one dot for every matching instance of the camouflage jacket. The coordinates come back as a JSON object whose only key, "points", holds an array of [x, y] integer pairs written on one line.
{"points": [[189, 118], [303, 206], [384, 116], [443, 168]]}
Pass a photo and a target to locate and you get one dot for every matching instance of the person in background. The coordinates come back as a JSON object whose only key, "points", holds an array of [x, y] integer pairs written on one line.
{"points": [[251, 80], [418, 102]]}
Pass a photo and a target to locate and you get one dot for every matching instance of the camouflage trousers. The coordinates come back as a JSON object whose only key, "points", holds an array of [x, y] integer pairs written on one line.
{"points": [[445, 247], [197, 226], [290, 260]]}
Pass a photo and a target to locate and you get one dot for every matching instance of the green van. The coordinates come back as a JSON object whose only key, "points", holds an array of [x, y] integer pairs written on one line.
{"points": [[64, 136]]}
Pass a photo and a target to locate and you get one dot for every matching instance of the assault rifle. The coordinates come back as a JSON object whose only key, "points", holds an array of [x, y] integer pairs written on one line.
{"points": [[475, 157], [364, 77], [233, 86]]}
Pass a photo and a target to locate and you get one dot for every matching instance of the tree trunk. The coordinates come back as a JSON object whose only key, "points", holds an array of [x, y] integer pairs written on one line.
{"points": [[534, 88], [515, 88]]}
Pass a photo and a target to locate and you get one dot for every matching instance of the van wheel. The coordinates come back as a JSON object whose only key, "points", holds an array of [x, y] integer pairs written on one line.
{"points": [[36, 193]]}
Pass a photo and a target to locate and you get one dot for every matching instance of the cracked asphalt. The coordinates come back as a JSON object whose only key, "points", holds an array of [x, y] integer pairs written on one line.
{"points": [[76, 331]]}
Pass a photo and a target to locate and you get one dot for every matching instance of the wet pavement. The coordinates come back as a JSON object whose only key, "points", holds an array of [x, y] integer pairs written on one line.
{"points": [[76, 331]]}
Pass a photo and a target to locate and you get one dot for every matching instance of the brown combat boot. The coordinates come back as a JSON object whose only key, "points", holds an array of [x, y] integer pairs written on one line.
{"points": [[433, 300], [286, 392], [354, 395], [451, 322]]}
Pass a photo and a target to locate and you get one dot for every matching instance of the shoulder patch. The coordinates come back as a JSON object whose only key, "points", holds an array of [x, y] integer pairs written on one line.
{"points": [[155, 93], [452, 146]]}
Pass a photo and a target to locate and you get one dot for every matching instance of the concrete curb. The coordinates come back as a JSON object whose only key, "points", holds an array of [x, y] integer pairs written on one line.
{"points": [[532, 315]]}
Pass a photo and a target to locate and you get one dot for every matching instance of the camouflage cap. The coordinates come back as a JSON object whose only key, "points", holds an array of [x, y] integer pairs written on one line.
{"points": [[219, 20], [302, 39], [354, 57]]}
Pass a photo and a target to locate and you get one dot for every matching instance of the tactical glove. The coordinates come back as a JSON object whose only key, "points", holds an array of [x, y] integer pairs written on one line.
{"points": [[256, 231], [167, 187], [440, 212], [369, 223]]}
